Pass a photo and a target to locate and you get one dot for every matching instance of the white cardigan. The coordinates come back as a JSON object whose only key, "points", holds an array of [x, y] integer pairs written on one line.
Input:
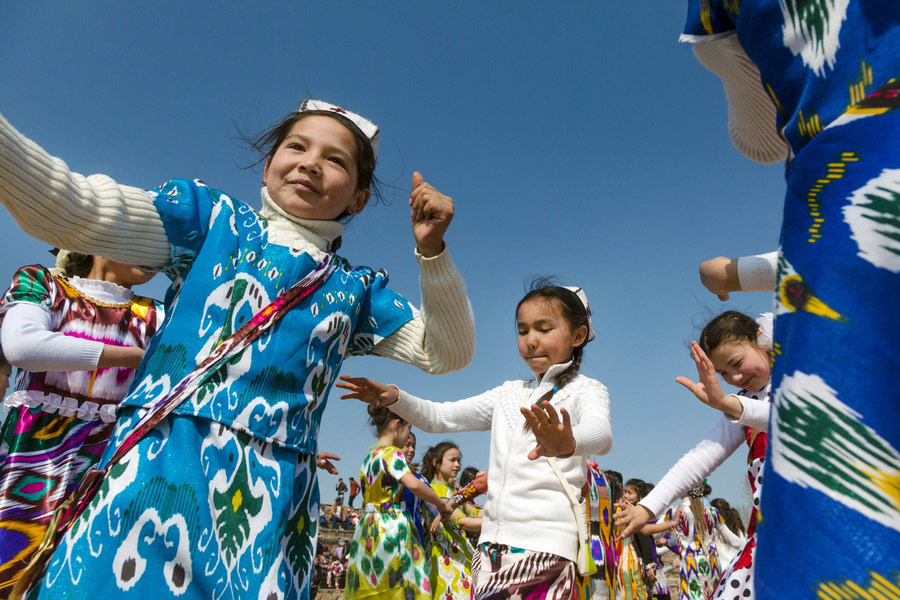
{"points": [[526, 506]]}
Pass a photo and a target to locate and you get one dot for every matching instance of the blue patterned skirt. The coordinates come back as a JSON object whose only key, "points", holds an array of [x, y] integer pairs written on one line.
{"points": [[831, 504], [195, 510]]}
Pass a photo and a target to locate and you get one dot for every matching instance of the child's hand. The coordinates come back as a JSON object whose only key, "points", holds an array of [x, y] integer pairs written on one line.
{"points": [[708, 389], [431, 214], [370, 392], [632, 518], [323, 461], [554, 436]]}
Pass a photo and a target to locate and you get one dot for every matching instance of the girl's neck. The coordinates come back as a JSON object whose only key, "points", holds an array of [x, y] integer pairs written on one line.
{"points": [[102, 271], [438, 478], [385, 440]]}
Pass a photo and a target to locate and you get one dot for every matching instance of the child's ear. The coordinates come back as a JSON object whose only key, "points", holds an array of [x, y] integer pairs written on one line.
{"points": [[579, 336], [360, 200]]}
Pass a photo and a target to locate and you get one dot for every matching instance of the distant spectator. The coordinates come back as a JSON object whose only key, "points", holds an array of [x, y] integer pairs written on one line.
{"points": [[341, 489], [354, 491]]}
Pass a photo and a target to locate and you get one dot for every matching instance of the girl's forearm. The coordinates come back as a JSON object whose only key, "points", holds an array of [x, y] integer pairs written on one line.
{"points": [[442, 338], [94, 215]]}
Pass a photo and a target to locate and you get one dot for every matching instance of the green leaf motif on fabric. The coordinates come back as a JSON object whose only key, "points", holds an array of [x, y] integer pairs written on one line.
{"points": [[234, 509]]}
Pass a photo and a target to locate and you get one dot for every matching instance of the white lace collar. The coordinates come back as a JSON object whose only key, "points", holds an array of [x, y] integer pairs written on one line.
{"points": [[103, 291]]}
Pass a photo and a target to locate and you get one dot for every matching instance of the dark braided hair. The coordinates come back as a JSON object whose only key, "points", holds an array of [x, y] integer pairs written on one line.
{"points": [[730, 326], [572, 310], [433, 457]]}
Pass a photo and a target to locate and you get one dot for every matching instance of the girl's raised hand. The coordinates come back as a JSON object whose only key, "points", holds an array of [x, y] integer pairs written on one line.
{"points": [[370, 392], [554, 435], [431, 214], [708, 389]]}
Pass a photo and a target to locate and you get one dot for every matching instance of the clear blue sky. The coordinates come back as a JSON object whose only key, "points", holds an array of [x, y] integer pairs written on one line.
{"points": [[578, 139]]}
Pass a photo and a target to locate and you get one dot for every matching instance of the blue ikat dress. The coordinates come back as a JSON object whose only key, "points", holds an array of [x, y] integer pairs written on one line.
{"points": [[221, 499]]}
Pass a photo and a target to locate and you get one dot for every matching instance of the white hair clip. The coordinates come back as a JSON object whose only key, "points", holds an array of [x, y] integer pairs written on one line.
{"points": [[587, 308], [367, 127]]}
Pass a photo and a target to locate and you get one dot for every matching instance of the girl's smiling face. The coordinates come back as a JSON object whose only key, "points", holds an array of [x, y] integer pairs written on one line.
{"points": [[450, 463], [743, 364], [545, 337], [313, 173]]}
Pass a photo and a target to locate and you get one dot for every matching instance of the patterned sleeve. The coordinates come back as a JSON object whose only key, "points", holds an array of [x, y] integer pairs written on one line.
{"points": [[185, 208], [32, 284], [383, 311], [708, 19], [395, 462]]}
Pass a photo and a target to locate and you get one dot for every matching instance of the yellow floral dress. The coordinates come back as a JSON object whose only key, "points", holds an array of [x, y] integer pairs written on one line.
{"points": [[451, 557], [386, 560]]}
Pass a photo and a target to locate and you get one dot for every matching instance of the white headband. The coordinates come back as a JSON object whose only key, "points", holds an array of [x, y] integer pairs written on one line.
{"points": [[587, 308], [367, 127]]}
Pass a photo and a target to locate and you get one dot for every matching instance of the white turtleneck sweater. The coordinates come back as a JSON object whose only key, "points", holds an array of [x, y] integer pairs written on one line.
{"points": [[95, 215]]}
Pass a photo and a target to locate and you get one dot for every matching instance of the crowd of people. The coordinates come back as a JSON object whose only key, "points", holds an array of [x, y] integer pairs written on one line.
{"points": [[170, 448]]}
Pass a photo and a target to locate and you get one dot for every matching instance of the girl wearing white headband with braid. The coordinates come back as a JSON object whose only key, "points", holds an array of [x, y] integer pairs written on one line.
{"points": [[214, 494], [529, 537]]}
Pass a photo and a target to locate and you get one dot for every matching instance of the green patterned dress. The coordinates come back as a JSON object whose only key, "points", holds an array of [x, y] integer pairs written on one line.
{"points": [[386, 560]]}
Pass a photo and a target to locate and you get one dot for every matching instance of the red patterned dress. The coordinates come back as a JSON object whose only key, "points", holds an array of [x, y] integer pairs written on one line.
{"points": [[58, 423], [737, 580]]}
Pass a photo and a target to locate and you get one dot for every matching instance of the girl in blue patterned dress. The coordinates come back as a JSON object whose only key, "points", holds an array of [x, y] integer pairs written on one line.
{"points": [[818, 82], [221, 500]]}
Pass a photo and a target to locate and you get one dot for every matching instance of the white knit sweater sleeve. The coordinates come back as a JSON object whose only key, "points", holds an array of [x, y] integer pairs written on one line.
{"points": [[755, 415], [758, 273], [699, 462], [441, 338], [592, 429], [29, 343], [752, 117], [93, 215], [469, 414]]}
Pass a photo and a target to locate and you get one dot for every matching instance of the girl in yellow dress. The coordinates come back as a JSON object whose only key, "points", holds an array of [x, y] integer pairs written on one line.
{"points": [[386, 561], [450, 550]]}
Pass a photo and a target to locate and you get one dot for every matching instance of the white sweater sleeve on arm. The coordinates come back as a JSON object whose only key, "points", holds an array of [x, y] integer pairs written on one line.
{"points": [[470, 414], [592, 431], [94, 215], [758, 273], [755, 415], [441, 338], [29, 344], [699, 462], [752, 117]]}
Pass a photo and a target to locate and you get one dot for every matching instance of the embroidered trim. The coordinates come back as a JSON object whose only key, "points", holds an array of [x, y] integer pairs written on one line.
{"points": [[65, 406]]}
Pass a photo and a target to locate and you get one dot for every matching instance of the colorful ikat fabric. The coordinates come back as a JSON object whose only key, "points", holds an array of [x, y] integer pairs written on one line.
{"points": [[59, 423], [221, 499], [386, 559], [830, 516]]}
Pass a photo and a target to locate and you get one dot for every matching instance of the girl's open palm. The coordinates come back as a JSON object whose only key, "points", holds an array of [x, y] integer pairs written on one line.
{"points": [[552, 430], [368, 391], [708, 389]]}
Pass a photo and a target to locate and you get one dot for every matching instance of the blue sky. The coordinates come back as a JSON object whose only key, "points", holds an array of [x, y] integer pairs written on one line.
{"points": [[577, 139]]}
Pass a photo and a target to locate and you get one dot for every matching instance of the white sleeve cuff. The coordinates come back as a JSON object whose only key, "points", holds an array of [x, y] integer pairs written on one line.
{"points": [[757, 273], [755, 415]]}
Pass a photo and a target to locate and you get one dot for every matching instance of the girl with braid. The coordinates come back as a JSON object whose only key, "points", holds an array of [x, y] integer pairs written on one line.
{"points": [[559, 413]]}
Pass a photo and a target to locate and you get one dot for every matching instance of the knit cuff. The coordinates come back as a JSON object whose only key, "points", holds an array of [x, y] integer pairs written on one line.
{"points": [[757, 273]]}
